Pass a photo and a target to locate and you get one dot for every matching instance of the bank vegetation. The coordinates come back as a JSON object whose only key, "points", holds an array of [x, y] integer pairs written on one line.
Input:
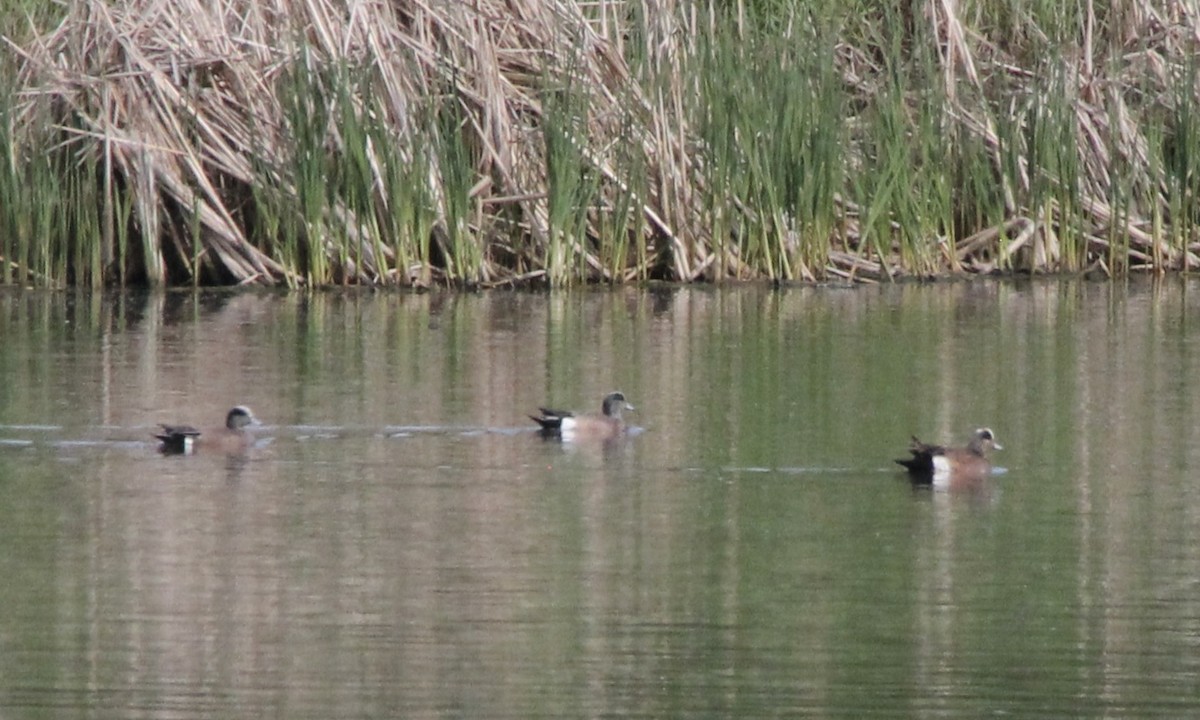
{"points": [[492, 142]]}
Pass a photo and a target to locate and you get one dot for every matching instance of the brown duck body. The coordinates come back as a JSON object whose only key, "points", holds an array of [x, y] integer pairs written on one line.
{"points": [[230, 439], [569, 426], [942, 466]]}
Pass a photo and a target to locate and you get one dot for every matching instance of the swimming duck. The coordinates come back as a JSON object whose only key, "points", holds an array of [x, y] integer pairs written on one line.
{"points": [[232, 438], [943, 466], [572, 426]]}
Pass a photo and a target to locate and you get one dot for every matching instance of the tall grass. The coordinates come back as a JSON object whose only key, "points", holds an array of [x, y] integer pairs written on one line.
{"points": [[563, 142], [454, 170], [571, 179], [12, 235]]}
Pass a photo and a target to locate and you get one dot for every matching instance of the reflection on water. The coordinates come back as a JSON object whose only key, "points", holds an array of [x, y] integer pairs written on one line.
{"points": [[401, 542]]}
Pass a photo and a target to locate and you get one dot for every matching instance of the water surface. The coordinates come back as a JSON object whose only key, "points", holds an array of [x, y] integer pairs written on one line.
{"points": [[400, 543]]}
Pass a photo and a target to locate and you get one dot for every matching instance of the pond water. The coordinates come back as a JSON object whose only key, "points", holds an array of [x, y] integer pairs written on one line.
{"points": [[399, 542]]}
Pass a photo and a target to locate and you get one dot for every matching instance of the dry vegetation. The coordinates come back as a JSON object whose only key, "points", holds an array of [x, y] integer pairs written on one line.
{"points": [[489, 142]]}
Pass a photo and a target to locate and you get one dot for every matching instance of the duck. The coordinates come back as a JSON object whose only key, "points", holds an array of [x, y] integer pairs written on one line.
{"points": [[586, 426], [230, 439], [942, 466]]}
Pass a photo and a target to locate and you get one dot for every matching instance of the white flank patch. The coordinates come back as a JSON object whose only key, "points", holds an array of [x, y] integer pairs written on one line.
{"points": [[189, 444], [568, 428], [941, 471]]}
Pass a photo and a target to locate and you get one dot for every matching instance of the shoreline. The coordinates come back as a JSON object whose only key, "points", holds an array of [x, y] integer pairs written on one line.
{"points": [[569, 144]]}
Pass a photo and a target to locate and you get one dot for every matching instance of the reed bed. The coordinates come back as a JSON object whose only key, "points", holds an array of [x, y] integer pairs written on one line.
{"points": [[552, 142]]}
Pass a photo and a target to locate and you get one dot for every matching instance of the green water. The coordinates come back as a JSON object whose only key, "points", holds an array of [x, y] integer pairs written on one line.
{"points": [[400, 543]]}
